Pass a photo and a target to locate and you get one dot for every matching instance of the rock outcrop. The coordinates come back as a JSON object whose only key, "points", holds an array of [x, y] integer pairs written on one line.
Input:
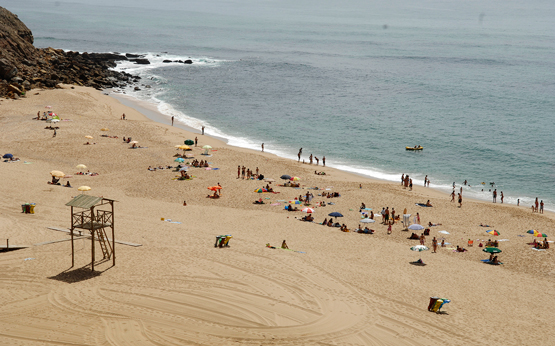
{"points": [[24, 67]]}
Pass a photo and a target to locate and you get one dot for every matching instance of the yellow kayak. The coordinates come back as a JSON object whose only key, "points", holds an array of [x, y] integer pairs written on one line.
{"points": [[414, 148]]}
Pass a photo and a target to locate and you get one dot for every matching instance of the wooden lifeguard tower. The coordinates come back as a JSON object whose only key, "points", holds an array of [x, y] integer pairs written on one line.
{"points": [[95, 222]]}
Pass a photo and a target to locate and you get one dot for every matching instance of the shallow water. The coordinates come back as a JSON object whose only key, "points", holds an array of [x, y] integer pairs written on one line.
{"points": [[356, 81]]}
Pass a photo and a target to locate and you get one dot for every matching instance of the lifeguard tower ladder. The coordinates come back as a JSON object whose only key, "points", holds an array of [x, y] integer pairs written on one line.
{"points": [[95, 222]]}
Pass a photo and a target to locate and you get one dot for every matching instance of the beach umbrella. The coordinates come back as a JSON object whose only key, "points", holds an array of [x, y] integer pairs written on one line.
{"points": [[133, 142], [206, 148], [179, 159], [492, 232], [7, 156], [492, 250], [81, 166], [189, 142], [48, 107], [285, 177], [57, 174], [416, 227], [54, 120], [83, 188], [260, 190], [335, 214], [419, 248], [307, 210], [295, 202], [89, 137], [532, 231], [538, 234], [104, 129], [294, 178], [185, 147], [214, 188], [367, 221]]}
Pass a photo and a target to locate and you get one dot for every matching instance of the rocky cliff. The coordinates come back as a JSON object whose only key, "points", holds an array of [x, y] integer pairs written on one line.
{"points": [[24, 67]]}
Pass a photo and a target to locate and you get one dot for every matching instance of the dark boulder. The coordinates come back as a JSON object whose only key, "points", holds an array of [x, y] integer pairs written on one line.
{"points": [[141, 61], [7, 69], [188, 61]]}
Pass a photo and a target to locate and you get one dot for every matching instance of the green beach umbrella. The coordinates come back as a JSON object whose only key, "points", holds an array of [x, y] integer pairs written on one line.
{"points": [[189, 142], [492, 250]]}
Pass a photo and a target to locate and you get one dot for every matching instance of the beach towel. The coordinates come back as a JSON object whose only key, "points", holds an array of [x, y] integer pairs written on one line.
{"points": [[423, 205], [444, 232], [215, 169], [537, 249], [490, 262]]}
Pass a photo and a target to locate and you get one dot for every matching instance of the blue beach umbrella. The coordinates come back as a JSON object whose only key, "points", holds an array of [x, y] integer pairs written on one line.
{"points": [[285, 177], [179, 159], [7, 156], [335, 214]]}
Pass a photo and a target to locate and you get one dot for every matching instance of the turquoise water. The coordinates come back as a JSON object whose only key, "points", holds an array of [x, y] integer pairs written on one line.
{"points": [[356, 81]]}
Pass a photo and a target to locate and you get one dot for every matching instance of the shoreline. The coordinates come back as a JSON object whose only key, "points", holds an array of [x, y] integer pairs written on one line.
{"points": [[332, 287], [149, 111]]}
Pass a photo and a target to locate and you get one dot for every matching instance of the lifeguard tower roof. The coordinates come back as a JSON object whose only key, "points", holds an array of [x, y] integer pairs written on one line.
{"points": [[86, 201]]}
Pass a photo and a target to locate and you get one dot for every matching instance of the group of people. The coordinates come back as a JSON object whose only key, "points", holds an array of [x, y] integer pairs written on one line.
{"points": [[535, 208], [201, 163], [406, 181], [311, 159], [244, 172], [330, 194], [541, 244]]}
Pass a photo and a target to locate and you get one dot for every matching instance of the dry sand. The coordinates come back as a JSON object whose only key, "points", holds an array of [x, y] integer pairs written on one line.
{"points": [[177, 289]]}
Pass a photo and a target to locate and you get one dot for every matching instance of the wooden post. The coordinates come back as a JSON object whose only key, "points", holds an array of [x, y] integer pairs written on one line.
{"points": [[113, 237], [92, 237], [72, 248]]}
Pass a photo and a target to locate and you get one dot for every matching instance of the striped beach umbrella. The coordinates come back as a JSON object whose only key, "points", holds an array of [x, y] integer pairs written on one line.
{"points": [[307, 210], [492, 232], [295, 202]]}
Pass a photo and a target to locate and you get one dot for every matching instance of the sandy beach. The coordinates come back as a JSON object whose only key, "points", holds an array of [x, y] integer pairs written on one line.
{"points": [[332, 288]]}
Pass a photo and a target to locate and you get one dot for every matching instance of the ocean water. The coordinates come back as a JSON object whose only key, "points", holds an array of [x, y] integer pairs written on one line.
{"points": [[354, 81]]}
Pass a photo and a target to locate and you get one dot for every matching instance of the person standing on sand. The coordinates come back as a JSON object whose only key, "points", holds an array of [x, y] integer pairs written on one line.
{"points": [[541, 207], [54, 135], [536, 203], [502, 196], [460, 200], [425, 180], [393, 215], [202, 130], [434, 244], [196, 141], [262, 147], [453, 196], [495, 196], [422, 239], [317, 160], [299, 154], [418, 218], [403, 179], [518, 202], [389, 228], [220, 190], [238, 172], [172, 119], [310, 158], [410, 184], [324, 161]]}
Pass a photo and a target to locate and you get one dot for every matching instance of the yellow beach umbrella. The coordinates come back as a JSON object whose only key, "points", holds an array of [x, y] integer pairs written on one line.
{"points": [[84, 188], [184, 147], [81, 166], [57, 174], [89, 137]]}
